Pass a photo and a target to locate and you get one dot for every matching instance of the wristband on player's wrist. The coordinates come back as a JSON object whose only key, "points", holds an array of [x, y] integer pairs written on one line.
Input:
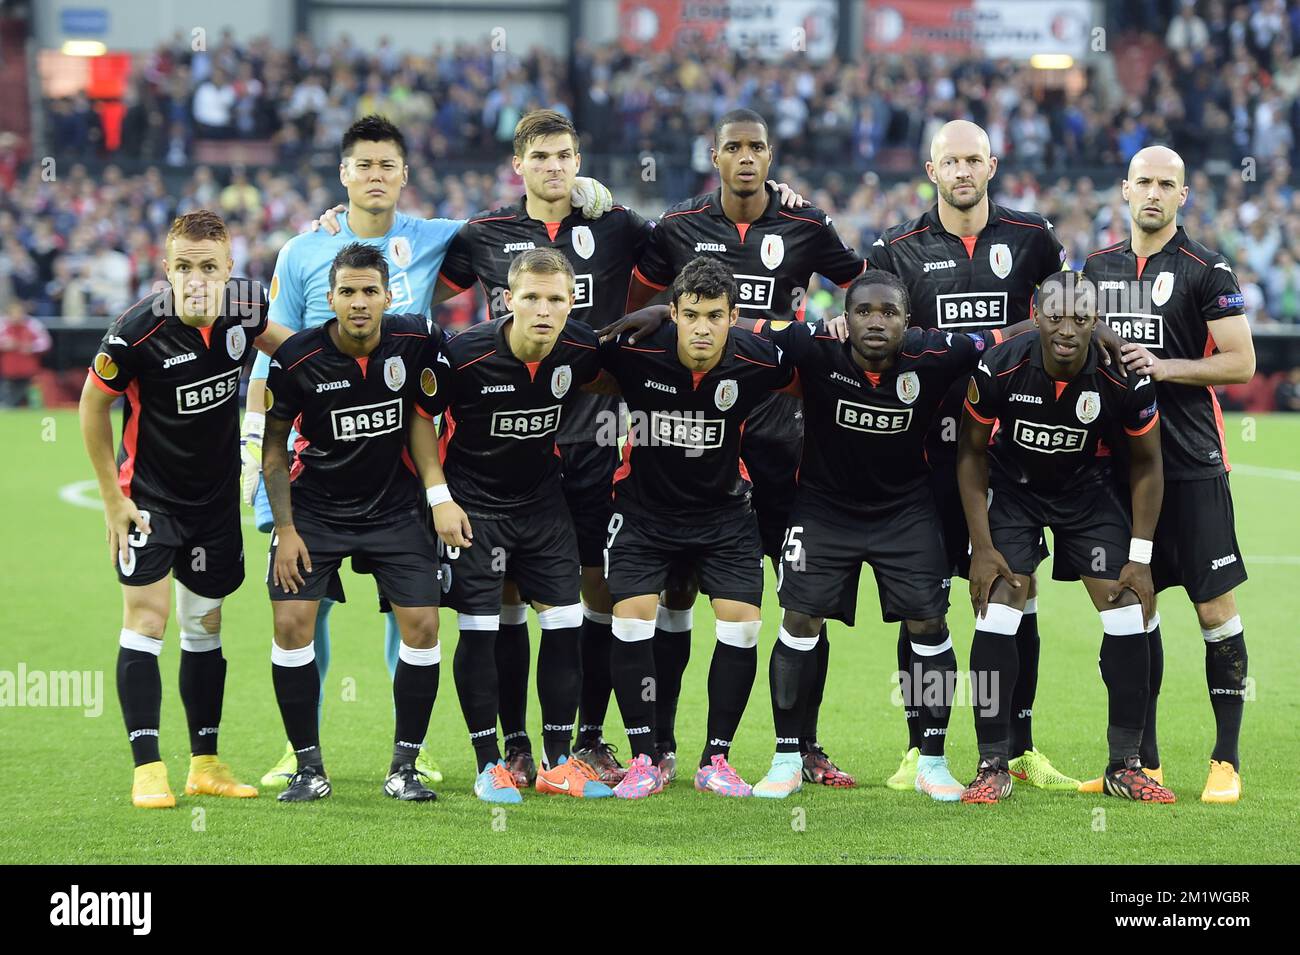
{"points": [[438, 494], [1139, 551]]}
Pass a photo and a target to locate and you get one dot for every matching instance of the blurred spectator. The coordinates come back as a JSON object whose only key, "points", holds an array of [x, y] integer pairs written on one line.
{"points": [[214, 105], [1287, 396], [22, 341]]}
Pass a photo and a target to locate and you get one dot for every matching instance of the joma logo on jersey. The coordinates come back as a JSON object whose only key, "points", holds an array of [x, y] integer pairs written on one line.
{"points": [[1027, 399], [530, 423], [754, 291], [710, 247], [971, 310], [332, 386], [659, 386], [1049, 438], [517, 247], [836, 376], [1137, 327], [858, 417], [367, 421], [178, 360], [931, 266], [686, 430], [199, 396]]}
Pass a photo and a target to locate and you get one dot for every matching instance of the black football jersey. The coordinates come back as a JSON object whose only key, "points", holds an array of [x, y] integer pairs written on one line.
{"points": [[180, 421], [864, 433], [772, 259], [352, 415], [503, 416], [1054, 436], [1164, 303], [682, 456], [602, 252]]}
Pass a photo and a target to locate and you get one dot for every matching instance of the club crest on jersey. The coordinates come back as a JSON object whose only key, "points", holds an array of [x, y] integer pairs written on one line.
{"points": [[584, 243], [727, 392], [394, 373], [1088, 407], [561, 379], [236, 342], [1162, 288], [399, 250], [428, 382], [1000, 260], [772, 251], [908, 387]]}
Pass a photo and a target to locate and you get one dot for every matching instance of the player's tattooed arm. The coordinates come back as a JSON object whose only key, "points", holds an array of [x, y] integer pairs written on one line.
{"points": [[1232, 363], [120, 512], [987, 563], [1147, 483], [290, 551]]}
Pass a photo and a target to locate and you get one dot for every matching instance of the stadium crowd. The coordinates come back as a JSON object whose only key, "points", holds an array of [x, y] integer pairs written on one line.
{"points": [[83, 245]]}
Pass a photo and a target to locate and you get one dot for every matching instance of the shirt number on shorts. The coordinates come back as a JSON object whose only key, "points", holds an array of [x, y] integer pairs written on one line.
{"points": [[137, 539], [615, 525]]}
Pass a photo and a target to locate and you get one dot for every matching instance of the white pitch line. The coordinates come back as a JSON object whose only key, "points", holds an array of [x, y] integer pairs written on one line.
{"points": [[1251, 470], [86, 494], [1283, 559]]}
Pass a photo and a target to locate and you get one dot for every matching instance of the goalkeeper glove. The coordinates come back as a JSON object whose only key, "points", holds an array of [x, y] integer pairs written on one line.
{"points": [[250, 455], [592, 197]]}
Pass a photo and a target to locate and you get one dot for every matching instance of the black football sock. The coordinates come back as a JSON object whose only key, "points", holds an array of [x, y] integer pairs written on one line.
{"points": [[297, 690], [559, 679], [731, 679], [1150, 749], [1126, 671], [822, 659], [1225, 673], [597, 681], [911, 710], [672, 649], [415, 687], [790, 673], [1022, 696], [474, 669], [994, 667], [513, 659], [632, 665], [203, 686], [139, 690], [935, 674]]}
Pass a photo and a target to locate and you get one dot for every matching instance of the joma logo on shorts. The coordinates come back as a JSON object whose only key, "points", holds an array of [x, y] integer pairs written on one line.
{"points": [[1223, 561]]}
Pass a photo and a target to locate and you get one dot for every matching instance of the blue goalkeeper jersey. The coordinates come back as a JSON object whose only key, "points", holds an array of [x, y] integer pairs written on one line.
{"points": [[413, 247]]}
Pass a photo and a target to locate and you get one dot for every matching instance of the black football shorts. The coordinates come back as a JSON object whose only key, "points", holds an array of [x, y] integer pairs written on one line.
{"points": [[203, 548], [588, 482], [1090, 529], [538, 550]]}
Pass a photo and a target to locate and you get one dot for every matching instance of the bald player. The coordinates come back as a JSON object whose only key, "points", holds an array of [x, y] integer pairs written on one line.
{"points": [[971, 266], [1181, 309]]}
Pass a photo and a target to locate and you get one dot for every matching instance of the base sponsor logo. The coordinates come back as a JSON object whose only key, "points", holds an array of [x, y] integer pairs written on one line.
{"points": [[367, 421], [971, 310], [526, 423], [859, 417], [686, 430], [754, 291], [1049, 438], [1138, 327], [200, 396]]}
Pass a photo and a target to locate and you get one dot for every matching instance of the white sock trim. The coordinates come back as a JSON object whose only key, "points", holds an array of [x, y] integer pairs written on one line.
{"points": [[200, 643], [1123, 621], [1224, 631], [999, 618], [293, 658], [674, 621], [487, 621], [131, 640], [1154, 622], [632, 630], [739, 633], [1031, 605], [561, 618], [931, 650], [426, 657], [802, 644], [597, 617], [513, 614]]}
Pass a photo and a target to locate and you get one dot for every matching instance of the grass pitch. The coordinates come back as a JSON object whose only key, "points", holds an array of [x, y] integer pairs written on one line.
{"points": [[65, 776]]}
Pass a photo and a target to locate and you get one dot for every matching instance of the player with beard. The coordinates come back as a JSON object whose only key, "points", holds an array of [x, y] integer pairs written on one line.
{"points": [[772, 254], [970, 264], [1181, 308]]}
